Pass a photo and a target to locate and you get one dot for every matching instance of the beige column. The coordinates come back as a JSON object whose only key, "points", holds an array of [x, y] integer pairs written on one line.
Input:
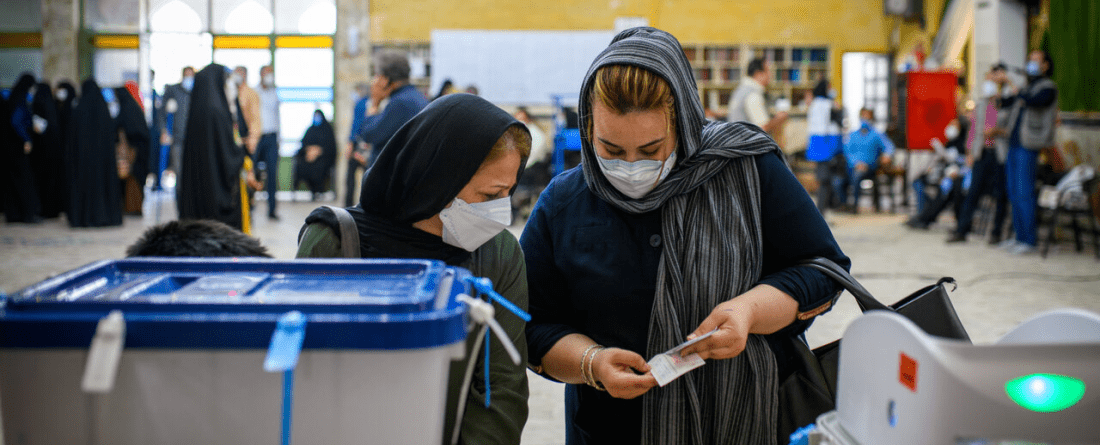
{"points": [[60, 25], [353, 65]]}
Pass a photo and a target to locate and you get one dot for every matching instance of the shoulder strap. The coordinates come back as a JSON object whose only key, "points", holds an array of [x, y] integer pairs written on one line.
{"points": [[349, 233]]}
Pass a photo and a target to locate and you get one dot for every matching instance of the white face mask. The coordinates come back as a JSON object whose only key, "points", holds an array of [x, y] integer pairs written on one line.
{"points": [[269, 79], [470, 225], [636, 179], [62, 94], [952, 132], [989, 88], [1032, 68]]}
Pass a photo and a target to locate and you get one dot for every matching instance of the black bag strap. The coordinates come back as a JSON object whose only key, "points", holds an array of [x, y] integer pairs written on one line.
{"points": [[833, 270], [349, 233]]}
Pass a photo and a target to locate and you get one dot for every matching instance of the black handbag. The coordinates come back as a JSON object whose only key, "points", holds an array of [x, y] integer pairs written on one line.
{"points": [[808, 378]]}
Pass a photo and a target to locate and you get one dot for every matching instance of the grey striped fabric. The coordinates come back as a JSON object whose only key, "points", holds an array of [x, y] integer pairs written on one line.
{"points": [[710, 211]]}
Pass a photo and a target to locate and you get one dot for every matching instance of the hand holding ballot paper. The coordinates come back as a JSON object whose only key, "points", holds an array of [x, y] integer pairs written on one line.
{"points": [[669, 365]]}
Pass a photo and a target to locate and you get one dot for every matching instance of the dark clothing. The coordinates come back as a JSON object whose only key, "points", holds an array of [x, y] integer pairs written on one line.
{"points": [[354, 166], [96, 193], [953, 197], [1029, 97], [47, 158], [21, 202], [987, 178], [376, 130], [421, 171], [209, 186], [131, 120], [316, 174], [267, 161], [350, 184], [182, 98], [585, 259]]}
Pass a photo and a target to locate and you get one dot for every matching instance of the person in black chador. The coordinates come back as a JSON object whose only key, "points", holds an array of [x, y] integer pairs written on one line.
{"points": [[134, 143], [21, 202], [313, 162], [209, 185], [95, 196], [46, 158]]}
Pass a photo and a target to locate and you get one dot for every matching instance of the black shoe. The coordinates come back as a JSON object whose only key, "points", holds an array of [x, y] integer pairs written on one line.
{"points": [[272, 216], [956, 238], [915, 224]]}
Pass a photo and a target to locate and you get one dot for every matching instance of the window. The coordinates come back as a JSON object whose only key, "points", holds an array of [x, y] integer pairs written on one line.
{"points": [[112, 16], [243, 17]]}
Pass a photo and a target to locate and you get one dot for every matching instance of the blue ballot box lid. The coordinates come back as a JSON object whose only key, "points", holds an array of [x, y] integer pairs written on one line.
{"points": [[233, 303]]}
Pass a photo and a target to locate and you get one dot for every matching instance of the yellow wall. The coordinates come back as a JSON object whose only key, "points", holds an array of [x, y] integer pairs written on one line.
{"points": [[843, 25]]}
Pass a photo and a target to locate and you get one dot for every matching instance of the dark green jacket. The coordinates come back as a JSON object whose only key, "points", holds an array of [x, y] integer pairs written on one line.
{"points": [[501, 260]]}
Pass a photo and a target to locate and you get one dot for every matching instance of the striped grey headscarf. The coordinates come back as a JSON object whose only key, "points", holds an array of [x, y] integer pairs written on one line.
{"points": [[710, 214]]}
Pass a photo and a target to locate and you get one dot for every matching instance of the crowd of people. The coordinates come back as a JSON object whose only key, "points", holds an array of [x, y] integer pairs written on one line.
{"points": [[673, 226], [92, 156], [84, 155], [991, 151]]}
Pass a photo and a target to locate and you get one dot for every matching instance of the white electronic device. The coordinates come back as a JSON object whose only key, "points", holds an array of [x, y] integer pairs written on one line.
{"points": [[1039, 384]]}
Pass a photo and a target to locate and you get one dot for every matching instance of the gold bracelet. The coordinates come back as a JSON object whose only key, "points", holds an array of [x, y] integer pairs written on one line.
{"points": [[592, 377], [584, 375]]}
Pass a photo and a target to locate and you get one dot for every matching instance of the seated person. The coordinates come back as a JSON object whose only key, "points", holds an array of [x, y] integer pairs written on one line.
{"points": [[440, 190], [951, 192], [314, 161], [864, 150]]}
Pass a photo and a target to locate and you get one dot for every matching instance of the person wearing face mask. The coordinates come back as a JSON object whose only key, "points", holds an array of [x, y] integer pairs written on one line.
{"points": [[864, 150], [313, 162], [1032, 113], [177, 103], [439, 190], [988, 173], [671, 227], [267, 151]]}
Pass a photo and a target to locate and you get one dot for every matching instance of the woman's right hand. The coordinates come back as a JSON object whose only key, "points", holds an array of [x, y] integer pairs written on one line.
{"points": [[614, 368]]}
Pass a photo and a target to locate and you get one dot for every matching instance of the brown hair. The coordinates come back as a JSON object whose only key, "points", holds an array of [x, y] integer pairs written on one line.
{"points": [[626, 88], [514, 138]]}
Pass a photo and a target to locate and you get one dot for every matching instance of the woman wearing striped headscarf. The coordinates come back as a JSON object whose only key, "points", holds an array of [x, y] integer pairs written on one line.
{"points": [[673, 226]]}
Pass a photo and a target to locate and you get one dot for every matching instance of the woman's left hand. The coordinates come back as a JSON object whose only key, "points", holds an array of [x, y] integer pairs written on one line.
{"points": [[732, 319]]}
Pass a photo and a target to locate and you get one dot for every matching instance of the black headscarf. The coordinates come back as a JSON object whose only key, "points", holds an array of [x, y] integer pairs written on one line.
{"points": [[316, 173], [209, 186], [131, 119], [419, 172], [96, 193], [47, 158]]}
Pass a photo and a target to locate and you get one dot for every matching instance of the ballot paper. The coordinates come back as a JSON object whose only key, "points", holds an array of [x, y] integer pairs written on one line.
{"points": [[670, 365]]}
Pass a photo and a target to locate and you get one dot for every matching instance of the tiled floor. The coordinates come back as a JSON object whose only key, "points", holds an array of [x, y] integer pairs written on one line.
{"points": [[996, 290]]}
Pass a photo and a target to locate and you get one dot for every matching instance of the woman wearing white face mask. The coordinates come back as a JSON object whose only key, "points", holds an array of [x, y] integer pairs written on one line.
{"points": [[673, 226], [439, 190]]}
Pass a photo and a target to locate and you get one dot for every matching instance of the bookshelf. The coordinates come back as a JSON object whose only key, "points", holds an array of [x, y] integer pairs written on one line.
{"points": [[792, 69]]}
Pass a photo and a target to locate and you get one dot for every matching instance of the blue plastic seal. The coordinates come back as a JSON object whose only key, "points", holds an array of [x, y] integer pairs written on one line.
{"points": [[286, 342], [485, 286]]}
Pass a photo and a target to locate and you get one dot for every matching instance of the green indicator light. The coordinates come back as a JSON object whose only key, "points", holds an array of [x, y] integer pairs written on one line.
{"points": [[1045, 393]]}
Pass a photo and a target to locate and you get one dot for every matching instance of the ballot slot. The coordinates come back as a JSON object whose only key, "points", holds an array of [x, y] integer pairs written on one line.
{"points": [[158, 285]]}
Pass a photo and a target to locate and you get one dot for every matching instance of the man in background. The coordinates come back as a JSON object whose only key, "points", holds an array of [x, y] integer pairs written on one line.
{"points": [[177, 102], [267, 149], [747, 101], [391, 82], [357, 149]]}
